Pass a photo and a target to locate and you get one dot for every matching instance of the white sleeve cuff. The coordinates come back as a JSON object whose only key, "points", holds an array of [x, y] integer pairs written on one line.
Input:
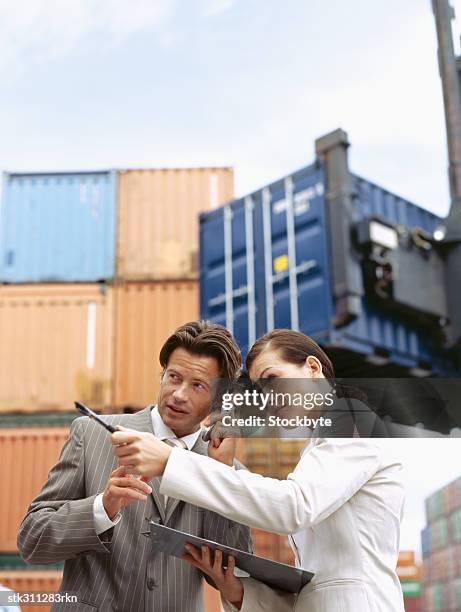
{"points": [[101, 521]]}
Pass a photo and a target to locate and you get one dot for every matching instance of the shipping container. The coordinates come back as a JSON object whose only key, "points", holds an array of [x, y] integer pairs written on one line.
{"points": [[270, 457], [435, 597], [157, 223], [455, 526], [439, 533], [406, 557], [411, 588], [435, 506], [272, 546], [26, 455], [426, 541], [439, 565], [455, 560], [413, 604], [454, 595], [56, 346], [409, 572], [30, 582], [452, 496], [145, 315], [266, 261], [58, 227]]}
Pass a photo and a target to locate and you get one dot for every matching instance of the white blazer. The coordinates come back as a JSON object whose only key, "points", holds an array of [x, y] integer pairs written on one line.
{"points": [[342, 507]]}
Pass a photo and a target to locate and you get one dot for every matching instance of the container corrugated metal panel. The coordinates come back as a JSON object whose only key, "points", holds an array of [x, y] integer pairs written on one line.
{"points": [[426, 541], [271, 457], [249, 284], [413, 604], [406, 558], [272, 546], [58, 227], [409, 572], [157, 227], [32, 581], [26, 456], [56, 346], [146, 314]]}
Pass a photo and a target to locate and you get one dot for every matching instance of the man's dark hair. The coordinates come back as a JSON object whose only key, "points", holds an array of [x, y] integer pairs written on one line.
{"points": [[208, 339]]}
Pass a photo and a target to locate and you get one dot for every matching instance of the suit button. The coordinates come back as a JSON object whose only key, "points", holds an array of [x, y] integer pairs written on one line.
{"points": [[151, 584]]}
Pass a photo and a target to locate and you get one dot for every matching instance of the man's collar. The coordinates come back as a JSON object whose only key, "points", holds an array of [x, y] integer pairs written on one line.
{"points": [[162, 431]]}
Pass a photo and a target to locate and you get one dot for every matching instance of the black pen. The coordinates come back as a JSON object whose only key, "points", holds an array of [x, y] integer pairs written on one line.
{"points": [[89, 413]]}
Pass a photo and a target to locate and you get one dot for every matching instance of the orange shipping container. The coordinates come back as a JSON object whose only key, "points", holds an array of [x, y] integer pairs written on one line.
{"points": [[26, 457], [146, 314], [30, 582], [158, 219], [409, 572], [272, 546], [55, 347], [270, 457], [406, 557]]}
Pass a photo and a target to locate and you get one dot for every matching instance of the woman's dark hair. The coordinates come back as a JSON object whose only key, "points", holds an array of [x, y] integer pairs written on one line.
{"points": [[294, 347], [208, 339]]}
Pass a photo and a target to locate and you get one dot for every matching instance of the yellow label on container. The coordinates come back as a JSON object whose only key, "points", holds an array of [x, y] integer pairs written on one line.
{"points": [[281, 263]]}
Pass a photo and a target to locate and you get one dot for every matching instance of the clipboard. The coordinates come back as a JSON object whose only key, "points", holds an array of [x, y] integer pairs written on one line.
{"points": [[277, 575]]}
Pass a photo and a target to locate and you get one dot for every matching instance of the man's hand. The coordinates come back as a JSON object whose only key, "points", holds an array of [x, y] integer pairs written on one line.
{"points": [[122, 490], [230, 586], [140, 452]]}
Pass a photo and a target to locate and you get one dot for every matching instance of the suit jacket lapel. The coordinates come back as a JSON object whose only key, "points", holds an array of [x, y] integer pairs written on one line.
{"points": [[199, 447], [142, 421]]}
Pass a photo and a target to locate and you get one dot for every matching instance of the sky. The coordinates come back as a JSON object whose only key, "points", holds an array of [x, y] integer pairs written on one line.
{"points": [[250, 84], [246, 83]]}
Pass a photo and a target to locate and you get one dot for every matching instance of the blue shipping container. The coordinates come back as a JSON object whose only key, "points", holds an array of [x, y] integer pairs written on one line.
{"points": [[265, 262], [58, 227]]}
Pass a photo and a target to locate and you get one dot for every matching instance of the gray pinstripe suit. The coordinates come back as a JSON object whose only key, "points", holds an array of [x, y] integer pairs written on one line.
{"points": [[117, 570]]}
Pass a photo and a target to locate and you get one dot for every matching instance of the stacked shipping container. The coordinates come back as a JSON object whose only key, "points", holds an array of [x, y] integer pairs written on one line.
{"points": [[441, 547], [107, 267], [409, 573], [98, 268], [26, 456]]}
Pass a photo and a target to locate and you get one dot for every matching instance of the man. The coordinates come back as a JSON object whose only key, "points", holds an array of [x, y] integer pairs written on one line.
{"points": [[91, 512]]}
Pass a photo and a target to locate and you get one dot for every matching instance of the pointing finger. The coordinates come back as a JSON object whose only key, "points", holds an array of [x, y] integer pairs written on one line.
{"points": [[124, 437]]}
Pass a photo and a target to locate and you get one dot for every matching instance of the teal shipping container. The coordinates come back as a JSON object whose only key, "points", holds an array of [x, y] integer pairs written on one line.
{"points": [[58, 227]]}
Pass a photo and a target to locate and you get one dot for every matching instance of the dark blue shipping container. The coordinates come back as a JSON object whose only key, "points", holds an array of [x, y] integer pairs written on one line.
{"points": [[58, 227], [265, 262]]}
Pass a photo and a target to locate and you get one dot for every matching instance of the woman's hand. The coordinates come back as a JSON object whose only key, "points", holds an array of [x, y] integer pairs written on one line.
{"points": [[222, 440], [230, 586], [222, 450]]}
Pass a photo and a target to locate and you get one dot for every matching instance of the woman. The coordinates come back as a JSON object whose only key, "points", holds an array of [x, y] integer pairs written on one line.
{"points": [[341, 506]]}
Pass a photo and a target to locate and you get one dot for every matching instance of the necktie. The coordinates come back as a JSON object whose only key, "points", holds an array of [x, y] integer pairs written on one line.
{"points": [[174, 442]]}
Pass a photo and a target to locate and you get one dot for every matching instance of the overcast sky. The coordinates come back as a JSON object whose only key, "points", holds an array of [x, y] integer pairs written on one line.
{"points": [[247, 83], [89, 84]]}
